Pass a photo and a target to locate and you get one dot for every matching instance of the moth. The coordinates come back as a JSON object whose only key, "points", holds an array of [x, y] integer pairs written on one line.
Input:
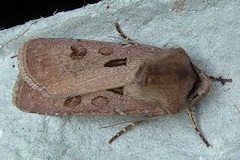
{"points": [[65, 76]]}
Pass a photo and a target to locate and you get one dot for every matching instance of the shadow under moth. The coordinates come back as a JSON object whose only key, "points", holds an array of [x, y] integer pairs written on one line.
{"points": [[85, 77]]}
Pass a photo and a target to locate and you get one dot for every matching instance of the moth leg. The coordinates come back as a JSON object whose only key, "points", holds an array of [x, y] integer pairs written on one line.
{"points": [[189, 111], [128, 127], [222, 80], [126, 38], [14, 56]]}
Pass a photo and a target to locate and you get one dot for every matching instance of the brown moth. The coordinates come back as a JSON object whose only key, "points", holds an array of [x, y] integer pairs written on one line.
{"points": [[85, 77]]}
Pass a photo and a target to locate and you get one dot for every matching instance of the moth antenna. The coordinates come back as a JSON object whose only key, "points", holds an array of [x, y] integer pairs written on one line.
{"points": [[134, 120], [222, 80], [126, 38], [117, 124], [189, 111], [128, 127]]}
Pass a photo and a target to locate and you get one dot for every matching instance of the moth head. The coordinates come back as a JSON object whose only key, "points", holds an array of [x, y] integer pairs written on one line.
{"points": [[204, 85]]}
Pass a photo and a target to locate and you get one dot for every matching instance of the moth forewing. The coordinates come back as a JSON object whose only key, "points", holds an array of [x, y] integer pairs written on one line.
{"points": [[48, 66]]}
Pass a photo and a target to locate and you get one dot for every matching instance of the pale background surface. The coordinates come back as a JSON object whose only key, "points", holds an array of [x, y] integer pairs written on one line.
{"points": [[210, 34]]}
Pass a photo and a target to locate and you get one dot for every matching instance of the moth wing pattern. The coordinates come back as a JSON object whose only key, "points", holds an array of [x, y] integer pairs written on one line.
{"points": [[97, 103], [40, 59]]}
